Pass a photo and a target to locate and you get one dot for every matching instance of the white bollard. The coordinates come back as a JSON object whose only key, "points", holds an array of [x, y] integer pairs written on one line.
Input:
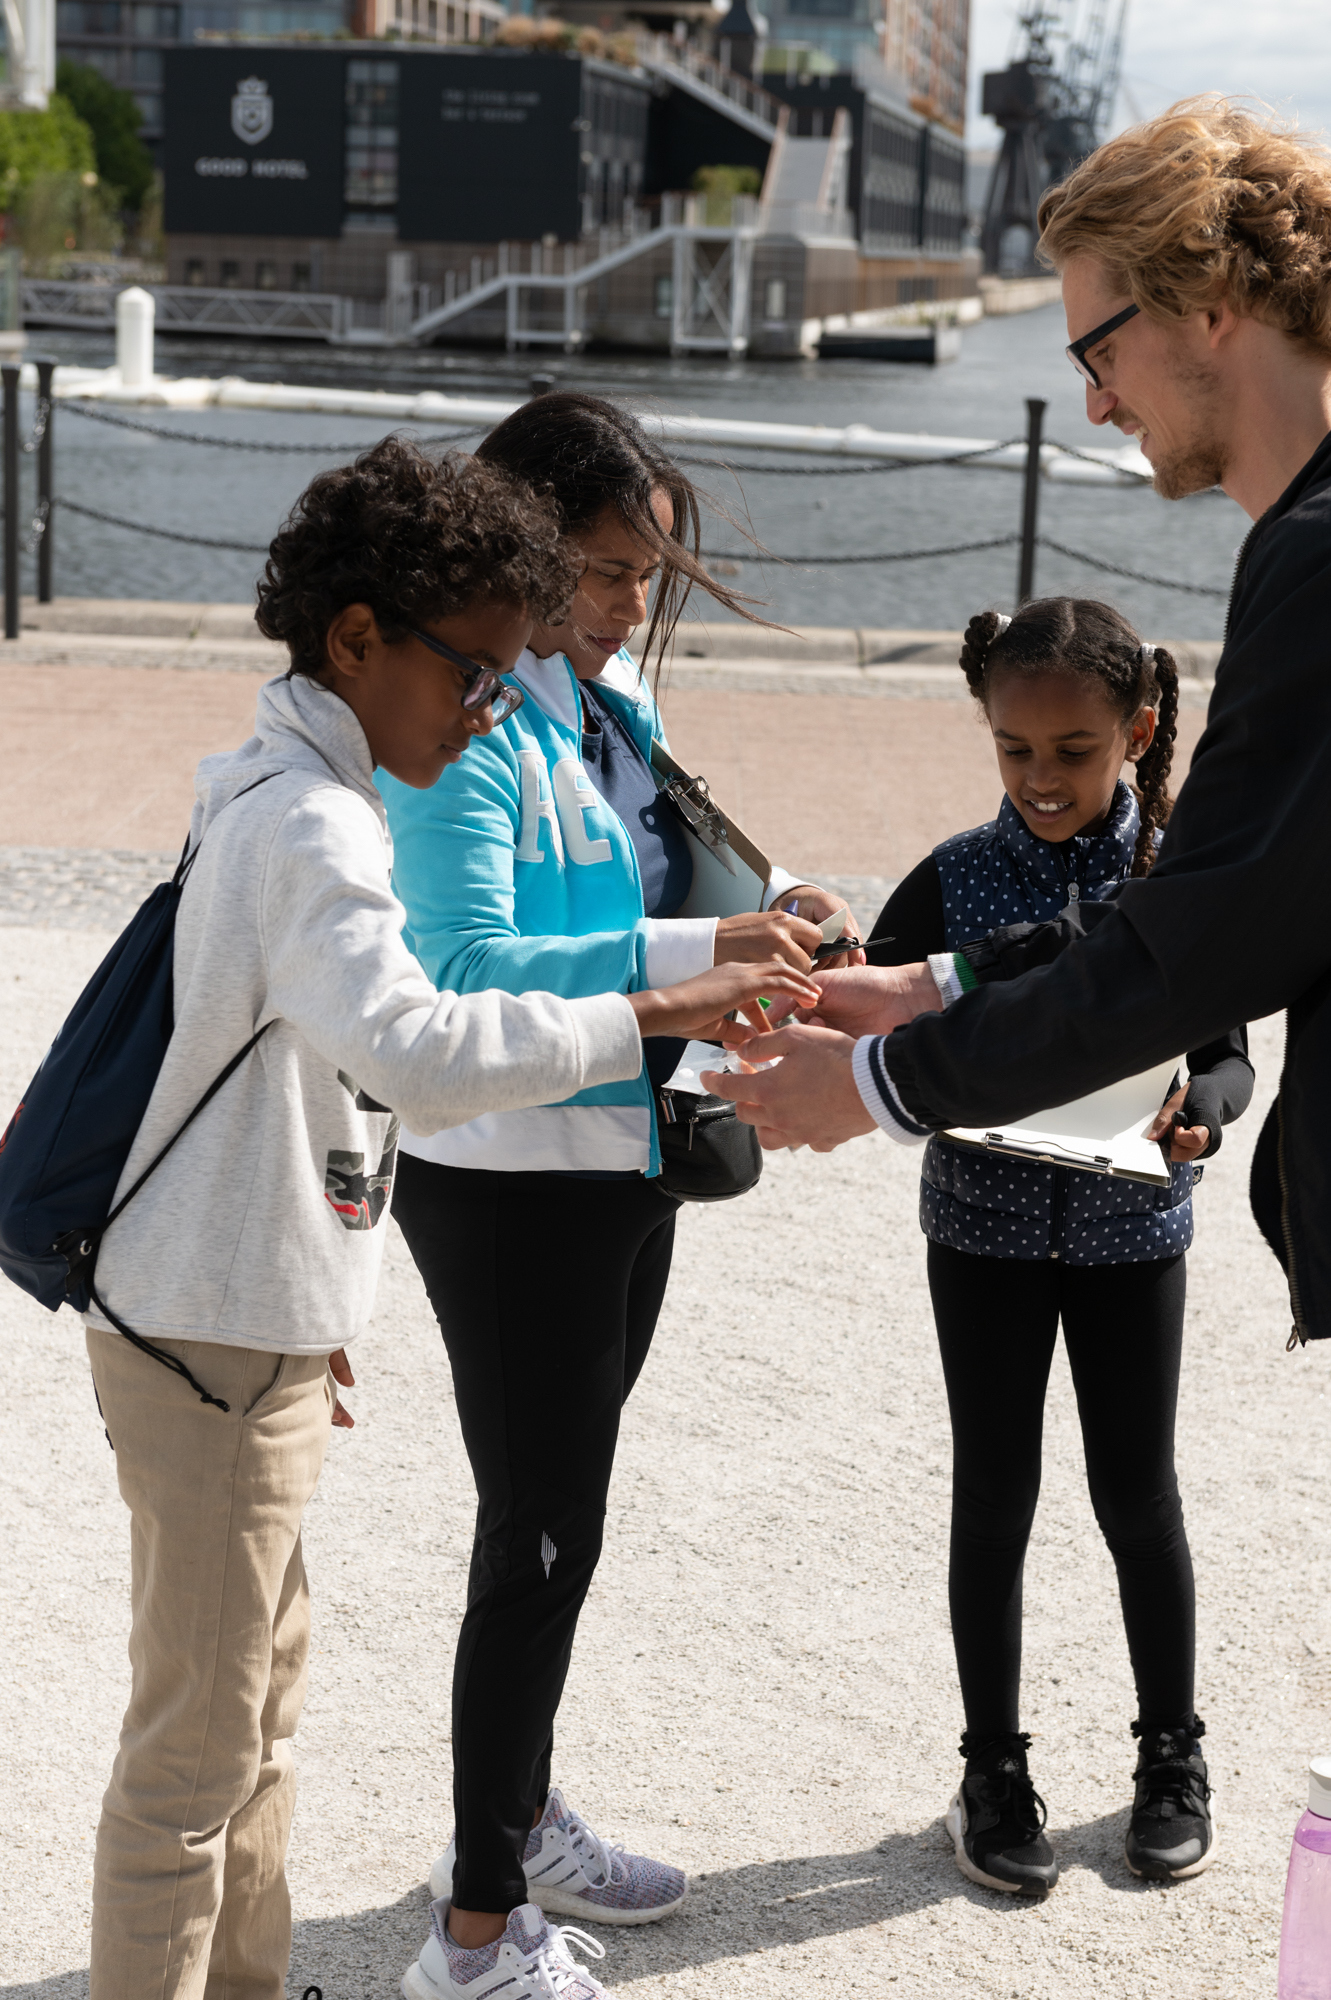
{"points": [[135, 313]]}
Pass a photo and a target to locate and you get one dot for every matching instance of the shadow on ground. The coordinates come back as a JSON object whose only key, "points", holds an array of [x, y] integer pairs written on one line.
{"points": [[734, 1913]]}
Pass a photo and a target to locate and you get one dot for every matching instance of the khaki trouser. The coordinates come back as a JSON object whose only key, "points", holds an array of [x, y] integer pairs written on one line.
{"points": [[189, 1886]]}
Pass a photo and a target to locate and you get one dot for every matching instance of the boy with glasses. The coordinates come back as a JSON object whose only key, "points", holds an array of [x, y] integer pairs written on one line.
{"points": [[404, 587]]}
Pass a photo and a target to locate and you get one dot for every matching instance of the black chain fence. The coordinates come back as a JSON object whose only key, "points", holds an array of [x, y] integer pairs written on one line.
{"points": [[755, 554], [893, 556], [247, 444]]}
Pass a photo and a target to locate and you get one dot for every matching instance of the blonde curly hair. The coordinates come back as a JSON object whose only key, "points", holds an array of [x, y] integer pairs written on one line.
{"points": [[1202, 203]]}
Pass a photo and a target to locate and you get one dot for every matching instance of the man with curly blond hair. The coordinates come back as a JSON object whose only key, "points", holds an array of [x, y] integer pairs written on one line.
{"points": [[1195, 253]]}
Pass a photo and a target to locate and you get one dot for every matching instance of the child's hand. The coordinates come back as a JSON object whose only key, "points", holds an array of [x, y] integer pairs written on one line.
{"points": [[698, 1006], [1188, 1141], [815, 905], [340, 1370]]}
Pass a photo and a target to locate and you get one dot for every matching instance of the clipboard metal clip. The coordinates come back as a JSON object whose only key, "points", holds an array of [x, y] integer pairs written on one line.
{"points": [[1092, 1163], [693, 801]]}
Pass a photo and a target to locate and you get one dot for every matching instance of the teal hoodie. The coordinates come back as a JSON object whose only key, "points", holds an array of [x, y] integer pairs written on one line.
{"points": [[516, 874]]}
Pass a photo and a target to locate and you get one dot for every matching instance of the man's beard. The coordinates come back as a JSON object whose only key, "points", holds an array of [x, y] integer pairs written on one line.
{"points": [[1202, 459]]}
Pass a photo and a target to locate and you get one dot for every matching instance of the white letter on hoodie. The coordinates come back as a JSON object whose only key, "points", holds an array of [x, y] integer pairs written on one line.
{"points": [[575, 796], [535, 809]]}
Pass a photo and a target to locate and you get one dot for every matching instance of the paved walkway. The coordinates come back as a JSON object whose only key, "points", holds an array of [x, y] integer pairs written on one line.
{"points": [[836, 769], [762, 1688]]}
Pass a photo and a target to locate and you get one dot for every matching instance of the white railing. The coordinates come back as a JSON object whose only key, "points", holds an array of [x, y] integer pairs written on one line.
{"points": [[677, 63], [807, 218], [60, 302], [292, 315]]}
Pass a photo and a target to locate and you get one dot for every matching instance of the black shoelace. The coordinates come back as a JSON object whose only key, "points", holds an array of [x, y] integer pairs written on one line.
{"points": [[1173, 1789]]}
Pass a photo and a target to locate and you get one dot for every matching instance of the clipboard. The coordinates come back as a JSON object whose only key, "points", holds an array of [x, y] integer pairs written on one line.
{"points": [[730, 874], [1104, 1133]]}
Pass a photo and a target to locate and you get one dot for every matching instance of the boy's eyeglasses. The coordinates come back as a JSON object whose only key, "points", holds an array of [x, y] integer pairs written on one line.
{"points": [[485, 688], [1077, 350]]}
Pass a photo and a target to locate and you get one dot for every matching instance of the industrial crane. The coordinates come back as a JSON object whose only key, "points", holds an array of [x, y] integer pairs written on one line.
{"points": [[1051, 118]]}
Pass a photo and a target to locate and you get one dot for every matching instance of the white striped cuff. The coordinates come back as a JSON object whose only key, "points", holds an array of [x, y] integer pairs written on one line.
{"points": [[943, 965], [879, 1095]]}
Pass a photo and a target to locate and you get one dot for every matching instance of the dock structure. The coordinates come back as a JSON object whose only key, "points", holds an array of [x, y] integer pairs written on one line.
{"points": [[396, 194]]}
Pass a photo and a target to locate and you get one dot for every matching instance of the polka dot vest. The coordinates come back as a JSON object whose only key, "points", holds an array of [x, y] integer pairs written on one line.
{"points": [[1002, 873]]}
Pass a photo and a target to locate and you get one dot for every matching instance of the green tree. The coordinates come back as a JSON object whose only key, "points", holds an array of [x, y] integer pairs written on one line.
{"points": [[727, 180], [33, 143], [113, 118]]}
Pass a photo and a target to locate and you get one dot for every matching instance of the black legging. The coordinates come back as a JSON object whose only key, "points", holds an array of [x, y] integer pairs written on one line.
{"points": [[547, 1290], [997, 1322]]}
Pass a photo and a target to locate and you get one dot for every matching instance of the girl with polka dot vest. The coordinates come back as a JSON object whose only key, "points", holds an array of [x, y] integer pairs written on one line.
{"points": [[1071, 695]]}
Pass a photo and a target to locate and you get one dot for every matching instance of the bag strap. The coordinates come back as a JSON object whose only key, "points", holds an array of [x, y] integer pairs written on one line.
{"points": [[222, 1077], [171, 1361], [80, 1247]]}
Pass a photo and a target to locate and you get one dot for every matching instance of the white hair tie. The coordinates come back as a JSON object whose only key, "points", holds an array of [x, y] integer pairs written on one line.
{"points": [[1003, 622], [1146, 654]]}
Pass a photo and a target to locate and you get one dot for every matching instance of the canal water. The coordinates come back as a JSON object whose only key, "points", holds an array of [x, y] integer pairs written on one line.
{"points": [[225, 495]]}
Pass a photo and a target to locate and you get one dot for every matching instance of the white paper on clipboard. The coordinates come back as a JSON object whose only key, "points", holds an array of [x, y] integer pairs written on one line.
{"points": [[730, 874], [1104, 1133]]}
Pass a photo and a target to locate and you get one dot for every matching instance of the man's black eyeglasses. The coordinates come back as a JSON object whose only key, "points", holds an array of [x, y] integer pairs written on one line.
{"points": [[485, 689], [1078, 349]]}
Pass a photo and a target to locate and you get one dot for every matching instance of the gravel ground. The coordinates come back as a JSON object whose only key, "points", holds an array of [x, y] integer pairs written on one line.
{"points": [[763, 1688], [77, 888]]}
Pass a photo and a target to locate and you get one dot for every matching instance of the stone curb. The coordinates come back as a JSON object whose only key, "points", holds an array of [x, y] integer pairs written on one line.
{"points": [[724, 658]]}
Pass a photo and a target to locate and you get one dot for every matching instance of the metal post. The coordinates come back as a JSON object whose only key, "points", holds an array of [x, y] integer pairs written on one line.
{"points": [[1030, 500], [45, 478], [9, 375]]}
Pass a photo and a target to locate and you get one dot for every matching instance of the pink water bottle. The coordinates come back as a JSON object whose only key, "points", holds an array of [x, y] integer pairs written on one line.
{"points": [[1305, 1934]]}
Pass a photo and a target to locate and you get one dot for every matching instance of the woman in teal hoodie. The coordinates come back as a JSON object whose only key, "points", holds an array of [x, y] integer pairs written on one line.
{"points": [[545, 860]]}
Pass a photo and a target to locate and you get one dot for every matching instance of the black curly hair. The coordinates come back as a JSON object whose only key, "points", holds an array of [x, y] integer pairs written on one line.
{"points": [[1077, 635], [415, 536], [590, 455]]}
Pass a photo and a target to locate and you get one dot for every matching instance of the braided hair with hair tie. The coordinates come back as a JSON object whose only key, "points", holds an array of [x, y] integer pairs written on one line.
{"points": [[983, 629], [1090, 641], [1160, 673]]}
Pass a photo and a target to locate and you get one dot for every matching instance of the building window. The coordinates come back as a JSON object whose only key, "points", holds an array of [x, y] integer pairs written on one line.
{"points": [[231, 274], [156, 23], [146, 66], [371, 170], [105, 61], [301, 278], [774, 299], [432, 15], [663, 297], [450, 23], [194, 273], [265, 275], [87, 17], [150, 109]]}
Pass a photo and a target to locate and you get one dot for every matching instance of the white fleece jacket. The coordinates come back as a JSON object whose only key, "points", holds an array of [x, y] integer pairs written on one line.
{"points": [[265, 1226]]}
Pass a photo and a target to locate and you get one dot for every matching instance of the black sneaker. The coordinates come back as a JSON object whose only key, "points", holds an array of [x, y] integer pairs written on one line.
{"points": [[1170, 1835], [997, 1820]]}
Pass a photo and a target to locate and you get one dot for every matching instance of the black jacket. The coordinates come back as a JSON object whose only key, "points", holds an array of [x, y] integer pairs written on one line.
{"points": [[1229, 926]]}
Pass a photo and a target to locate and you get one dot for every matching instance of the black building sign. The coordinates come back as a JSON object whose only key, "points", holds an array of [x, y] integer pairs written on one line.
{"points": [[490, 149], [254, 141]]}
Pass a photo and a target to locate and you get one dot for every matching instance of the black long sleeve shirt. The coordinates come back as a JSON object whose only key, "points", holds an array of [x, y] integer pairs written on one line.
{"points": [[910, 927], [1229, 925]]}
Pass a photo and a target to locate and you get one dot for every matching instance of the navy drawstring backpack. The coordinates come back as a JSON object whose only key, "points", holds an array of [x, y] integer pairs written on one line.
{"points": [[64, 1150]]}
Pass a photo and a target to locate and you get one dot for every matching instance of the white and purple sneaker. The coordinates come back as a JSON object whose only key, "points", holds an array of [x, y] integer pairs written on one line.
{"points": [[572, 1872], [531, 1961]]}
